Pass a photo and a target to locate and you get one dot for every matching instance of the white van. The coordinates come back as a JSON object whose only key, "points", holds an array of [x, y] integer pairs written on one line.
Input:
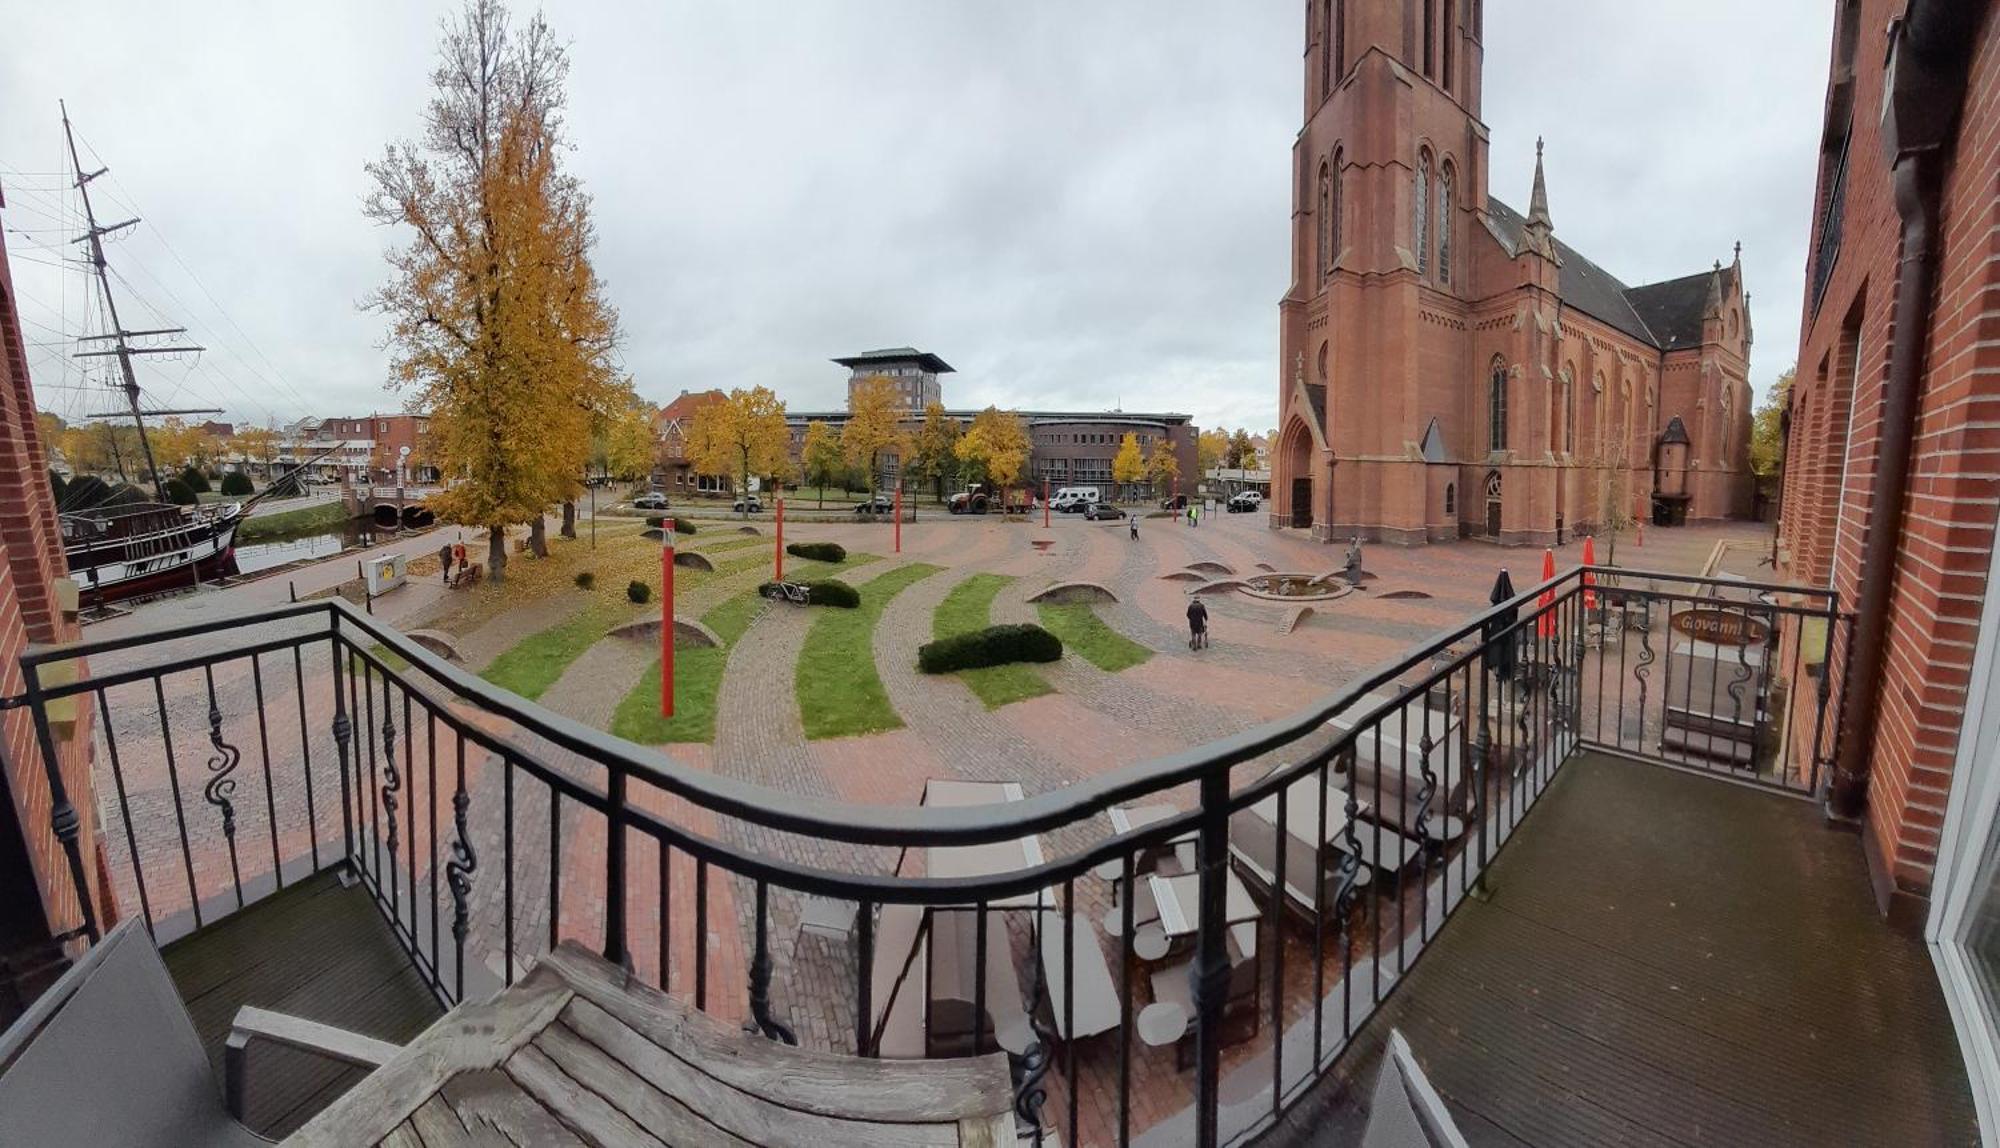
{"points": [[1076, 497]]}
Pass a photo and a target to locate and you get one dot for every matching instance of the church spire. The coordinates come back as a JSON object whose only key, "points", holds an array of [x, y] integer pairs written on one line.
{"points": [[1714, 308], [1540, 228]]}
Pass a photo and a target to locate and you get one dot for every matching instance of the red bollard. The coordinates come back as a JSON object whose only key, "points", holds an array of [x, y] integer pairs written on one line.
{"points": [[667, 618], [778, 552], [899, 518]]}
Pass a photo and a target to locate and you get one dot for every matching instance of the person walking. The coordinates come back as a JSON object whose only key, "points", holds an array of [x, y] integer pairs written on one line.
{"points": [[458, 557], [1197, 614], [1132, 520], [444, 561]]}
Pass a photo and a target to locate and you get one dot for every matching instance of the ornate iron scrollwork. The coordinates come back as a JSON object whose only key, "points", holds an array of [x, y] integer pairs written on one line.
{"points": [[1643, 670], [220, 786], [1428, 790], [392, 781], [1029, 1091], [464, 862]]}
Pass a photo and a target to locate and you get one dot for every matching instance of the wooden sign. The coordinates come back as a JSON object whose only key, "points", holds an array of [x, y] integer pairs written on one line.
{"points": [[1720, 627]]}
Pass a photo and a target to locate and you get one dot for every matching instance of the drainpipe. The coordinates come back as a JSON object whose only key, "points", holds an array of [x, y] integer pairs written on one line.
{"points": [[1925, 81]]}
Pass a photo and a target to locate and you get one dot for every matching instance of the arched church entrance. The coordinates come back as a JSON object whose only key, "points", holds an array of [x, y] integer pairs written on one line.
{"points": [[1297, 452], [1493, 504]]}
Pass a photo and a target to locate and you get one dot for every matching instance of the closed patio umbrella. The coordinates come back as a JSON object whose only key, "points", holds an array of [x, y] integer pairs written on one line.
{"points": [[1499, 630]]}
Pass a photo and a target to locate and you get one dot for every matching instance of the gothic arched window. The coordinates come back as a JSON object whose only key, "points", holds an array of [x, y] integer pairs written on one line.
{"points": [[1430, 37], [1422, 211], [1329, 50], [1324, 223], [1333, 221], [1451, 498], [1496, 407], [1564, 416], [1444, 222]]}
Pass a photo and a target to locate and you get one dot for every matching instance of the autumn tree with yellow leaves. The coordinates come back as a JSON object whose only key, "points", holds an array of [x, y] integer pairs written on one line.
{"points": [[820, 457], [996, 447], [1128, 466], [874, 427], [1163, 470], [742, 435], [497, 322]]}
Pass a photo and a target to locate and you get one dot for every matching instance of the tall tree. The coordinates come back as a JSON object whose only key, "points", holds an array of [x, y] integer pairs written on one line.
{"points": [[257, 444], [1128, 466], [1162, 468], [742, 435], [1767, 438], [934, 454], [622, 441], [1210, 448], [995, 447], [820, 457], [874, 425], [498, 323], [1240, 455]]}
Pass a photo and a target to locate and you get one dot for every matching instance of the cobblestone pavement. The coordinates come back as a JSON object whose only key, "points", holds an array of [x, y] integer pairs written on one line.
{"points": [[281, 710]]}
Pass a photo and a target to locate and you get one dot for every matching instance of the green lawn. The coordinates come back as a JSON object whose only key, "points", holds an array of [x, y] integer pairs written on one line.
{"points": [[698, 673], [839, 692], [969, 607], [533, 664], [324, 516], [1085, 634]]}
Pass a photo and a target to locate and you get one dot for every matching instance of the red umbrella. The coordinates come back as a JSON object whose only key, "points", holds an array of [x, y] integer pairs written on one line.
{"points": [[1545, 624], [1589, 559]]}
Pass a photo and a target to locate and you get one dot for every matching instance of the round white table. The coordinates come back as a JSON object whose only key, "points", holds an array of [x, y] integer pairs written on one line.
{"points": [[1161, 1023], [1149, 941]]}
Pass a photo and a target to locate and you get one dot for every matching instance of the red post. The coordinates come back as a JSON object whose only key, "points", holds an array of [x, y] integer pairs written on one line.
{"points": [[1045, 504], [667, 618], [778, 552], [899, 518]]}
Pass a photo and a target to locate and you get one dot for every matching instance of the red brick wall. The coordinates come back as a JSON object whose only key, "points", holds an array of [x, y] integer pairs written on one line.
{"points": [[31, 559], [1948, 527]]}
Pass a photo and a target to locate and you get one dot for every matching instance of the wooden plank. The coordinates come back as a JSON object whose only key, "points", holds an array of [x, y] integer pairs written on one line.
{"points": [[471, 1038], [576, 1105], [439, 1125], [311, 1036], [495, 1110], [987, 1132], [826, 1083], [402, 1136]]}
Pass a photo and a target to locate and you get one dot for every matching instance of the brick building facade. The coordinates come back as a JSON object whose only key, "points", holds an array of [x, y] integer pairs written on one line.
{"points": [[39, 901], [673, 468], [1892, 465], [1449, 367]]}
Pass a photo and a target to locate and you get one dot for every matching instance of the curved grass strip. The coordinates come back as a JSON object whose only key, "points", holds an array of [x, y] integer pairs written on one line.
{"points": [[530, 666], [1085, 634], [697, 675], [839, 692], [969, 607]]}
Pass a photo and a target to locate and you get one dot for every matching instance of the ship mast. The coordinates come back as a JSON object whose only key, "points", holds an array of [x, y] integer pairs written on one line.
{"points": [[120, 338]]}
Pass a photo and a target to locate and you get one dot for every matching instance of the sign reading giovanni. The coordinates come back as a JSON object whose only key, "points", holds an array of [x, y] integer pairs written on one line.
{"points": [[1720, 627]]}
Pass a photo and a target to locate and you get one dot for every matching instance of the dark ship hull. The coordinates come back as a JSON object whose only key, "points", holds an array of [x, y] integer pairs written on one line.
{"points": [[148, 548]]}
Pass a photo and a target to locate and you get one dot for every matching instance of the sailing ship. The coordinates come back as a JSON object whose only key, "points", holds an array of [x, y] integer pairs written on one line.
{"points": [[127, 548]]}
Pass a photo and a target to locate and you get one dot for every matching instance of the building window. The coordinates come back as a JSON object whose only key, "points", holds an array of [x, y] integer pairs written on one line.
{"points": [[1496, 407], [1324, 223], [1449, 36], [1339, 10], [1327, 39], [1568, 413], [1430, 36], [1422, 211], [1333, 215], [1444, 223], [1451, 498]]}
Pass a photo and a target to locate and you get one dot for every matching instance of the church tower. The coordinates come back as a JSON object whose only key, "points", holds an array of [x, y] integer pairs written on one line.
{"points": [[1389, 187]]}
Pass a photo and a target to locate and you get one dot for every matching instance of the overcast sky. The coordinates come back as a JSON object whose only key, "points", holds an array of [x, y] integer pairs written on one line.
{"points": [[1077, 205]]}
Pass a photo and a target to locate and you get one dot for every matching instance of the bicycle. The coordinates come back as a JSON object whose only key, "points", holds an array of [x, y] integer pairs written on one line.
{"points": [[797, 593]]}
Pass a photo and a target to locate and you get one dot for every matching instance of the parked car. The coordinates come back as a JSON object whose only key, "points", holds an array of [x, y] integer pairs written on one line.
{"points": [[879, 504], [651, 500], [1246, 501], [749, 503], [1177, 502], [1097, 510]]}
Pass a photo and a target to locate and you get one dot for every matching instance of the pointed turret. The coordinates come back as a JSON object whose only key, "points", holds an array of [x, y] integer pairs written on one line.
{"points": [[1713, 308], [1538, 235]]}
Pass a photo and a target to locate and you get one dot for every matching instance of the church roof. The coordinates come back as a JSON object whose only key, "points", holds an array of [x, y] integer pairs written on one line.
{"points": [[1673, 308], [1316, 395], [1666, 315]]}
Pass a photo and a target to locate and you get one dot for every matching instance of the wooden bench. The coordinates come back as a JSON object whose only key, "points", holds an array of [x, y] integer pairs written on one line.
{"points": [[579, 1052]]}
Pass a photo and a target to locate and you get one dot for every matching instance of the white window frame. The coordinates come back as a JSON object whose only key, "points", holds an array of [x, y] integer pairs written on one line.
{"points": [[1971, 823]]}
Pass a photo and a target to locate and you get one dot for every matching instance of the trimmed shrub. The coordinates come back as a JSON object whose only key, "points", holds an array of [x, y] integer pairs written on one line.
{"points": [[195, 480], [180, 493], [236, 483], [639, 592], [585, 580], [824, 592], [818, 551], [660, 521], [993, 646]]}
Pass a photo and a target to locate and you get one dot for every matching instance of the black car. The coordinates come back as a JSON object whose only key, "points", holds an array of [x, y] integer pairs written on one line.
{"points": [[1097, 510], [880, 504], [1177, 502]]}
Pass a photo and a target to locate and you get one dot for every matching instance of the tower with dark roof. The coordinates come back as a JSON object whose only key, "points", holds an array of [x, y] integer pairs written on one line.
{"points": [[1450, 366]]}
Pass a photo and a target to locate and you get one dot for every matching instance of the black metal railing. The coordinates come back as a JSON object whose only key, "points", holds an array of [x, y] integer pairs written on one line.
{"points": [[486, 828]]}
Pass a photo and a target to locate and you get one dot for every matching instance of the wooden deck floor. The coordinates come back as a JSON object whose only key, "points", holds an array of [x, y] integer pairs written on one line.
{"points": [[315, 950], [1670, 960]]}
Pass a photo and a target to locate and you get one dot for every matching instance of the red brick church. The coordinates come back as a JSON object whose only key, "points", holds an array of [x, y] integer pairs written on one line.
{"points": [[1449, 367]]}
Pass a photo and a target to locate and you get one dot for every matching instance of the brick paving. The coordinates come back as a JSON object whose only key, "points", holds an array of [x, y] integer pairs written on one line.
{"points": [[1094, 723]]}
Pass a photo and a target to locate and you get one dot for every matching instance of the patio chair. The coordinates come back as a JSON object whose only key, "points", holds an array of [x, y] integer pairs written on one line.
{"points": [[1405, 1111], [109, 1056]]}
